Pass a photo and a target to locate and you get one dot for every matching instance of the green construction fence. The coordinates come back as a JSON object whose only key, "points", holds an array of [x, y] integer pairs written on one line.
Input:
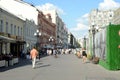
{"points": [[112, 61]]}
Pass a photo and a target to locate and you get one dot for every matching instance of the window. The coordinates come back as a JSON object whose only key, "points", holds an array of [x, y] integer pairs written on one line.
{"points": [[21, 31], [18, 31], [1, 25], [6, 27], [14, 29], [11, 29], [26, 31], [110, 15]]}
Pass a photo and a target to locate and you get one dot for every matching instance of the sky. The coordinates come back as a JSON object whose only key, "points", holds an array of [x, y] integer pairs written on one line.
{"points": [[74, 13]]}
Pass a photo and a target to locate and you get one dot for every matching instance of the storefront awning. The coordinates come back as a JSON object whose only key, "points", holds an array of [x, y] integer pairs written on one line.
{"points": [[6, 39]]}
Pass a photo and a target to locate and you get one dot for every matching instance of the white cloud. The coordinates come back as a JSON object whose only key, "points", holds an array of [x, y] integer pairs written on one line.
{"points": [[81, 23], [81, 28], [83, 19], [49, 6], [108, 4], [85, 15]]}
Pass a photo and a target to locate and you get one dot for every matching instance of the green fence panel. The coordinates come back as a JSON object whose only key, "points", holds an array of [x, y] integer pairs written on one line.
{"points": [[112, 61]]}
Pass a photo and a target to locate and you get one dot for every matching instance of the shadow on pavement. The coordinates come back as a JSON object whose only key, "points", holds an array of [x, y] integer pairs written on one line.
{"points": [[22, 62], [46, 65]]}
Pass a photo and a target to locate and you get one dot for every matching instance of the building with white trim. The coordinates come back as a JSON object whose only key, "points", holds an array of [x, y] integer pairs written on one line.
{"points": [[61, 29], [116, 19]]}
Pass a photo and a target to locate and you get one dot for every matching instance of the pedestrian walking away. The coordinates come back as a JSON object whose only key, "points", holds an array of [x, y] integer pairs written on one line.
{"points": [[55, 53], [33, 55], [84, 55], [40, 52]]}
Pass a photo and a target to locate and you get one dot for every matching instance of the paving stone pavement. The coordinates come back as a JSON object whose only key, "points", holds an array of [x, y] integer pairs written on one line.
{"points": [[65, 67]]}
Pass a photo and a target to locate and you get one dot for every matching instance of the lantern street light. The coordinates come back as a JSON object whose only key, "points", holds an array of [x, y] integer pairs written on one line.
{"points": [[51, 40], [37, 34], [60, 42]]}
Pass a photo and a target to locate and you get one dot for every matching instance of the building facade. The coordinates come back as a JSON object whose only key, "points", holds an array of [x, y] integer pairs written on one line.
{"points": [[116, 19], [11, 33], [29, 29], [47, 29], [29, 14], [99, 18], [61, 29]]}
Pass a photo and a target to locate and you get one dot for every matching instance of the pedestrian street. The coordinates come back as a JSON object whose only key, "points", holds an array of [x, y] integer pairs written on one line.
{"points": [[65, 67]]}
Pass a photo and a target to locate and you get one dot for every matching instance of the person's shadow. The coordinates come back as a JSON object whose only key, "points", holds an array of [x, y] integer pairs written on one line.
{"points": [[40, 64]]}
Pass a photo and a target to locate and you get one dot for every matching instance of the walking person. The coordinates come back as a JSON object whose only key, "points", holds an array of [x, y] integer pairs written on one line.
{"points": [[55, 53], [40, 52], [28, 54], [33, 55], [84, 56]]}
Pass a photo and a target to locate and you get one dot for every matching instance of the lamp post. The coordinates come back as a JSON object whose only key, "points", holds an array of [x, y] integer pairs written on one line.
{"points": [[51, 40], [84, 42], [60, 42], [37, 34], [94, 30]]}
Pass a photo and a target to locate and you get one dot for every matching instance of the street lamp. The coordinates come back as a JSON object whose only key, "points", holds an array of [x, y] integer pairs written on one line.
{"points": [[94, 30], [84, 42], [51, 40], [37, 34], [60, 42]]}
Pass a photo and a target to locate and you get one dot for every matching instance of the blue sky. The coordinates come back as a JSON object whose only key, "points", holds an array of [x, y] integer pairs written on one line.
{"points": [[75, 12]]}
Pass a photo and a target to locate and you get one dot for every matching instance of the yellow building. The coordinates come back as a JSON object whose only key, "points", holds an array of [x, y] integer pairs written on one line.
{"points": [[11, 33]]}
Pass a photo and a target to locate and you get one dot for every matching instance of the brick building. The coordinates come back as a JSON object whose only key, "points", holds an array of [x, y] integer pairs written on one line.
{"points": [[47, 29]]}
